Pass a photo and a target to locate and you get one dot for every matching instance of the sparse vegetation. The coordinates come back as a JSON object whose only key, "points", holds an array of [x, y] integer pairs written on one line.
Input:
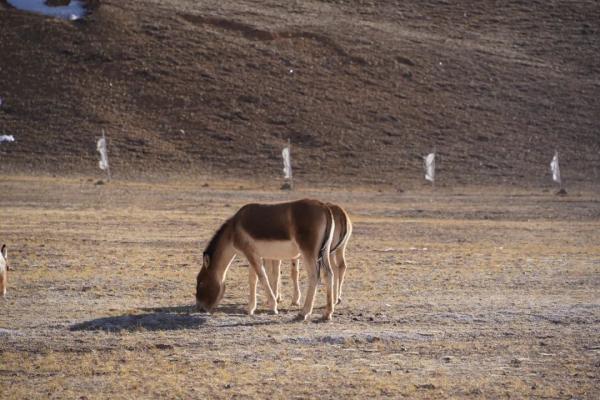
{"points": [[480, 294], [477, 288]]}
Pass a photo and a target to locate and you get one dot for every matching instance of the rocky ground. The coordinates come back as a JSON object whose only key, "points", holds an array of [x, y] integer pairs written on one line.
{"points": [[469, 293], [485, 286]]}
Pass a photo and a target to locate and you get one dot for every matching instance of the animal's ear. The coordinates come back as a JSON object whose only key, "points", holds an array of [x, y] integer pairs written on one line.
{"points": [[206, 260], [4, 251]]}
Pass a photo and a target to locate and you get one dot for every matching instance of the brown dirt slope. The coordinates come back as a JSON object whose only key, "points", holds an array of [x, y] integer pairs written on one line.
{"points": [[362, 88]]}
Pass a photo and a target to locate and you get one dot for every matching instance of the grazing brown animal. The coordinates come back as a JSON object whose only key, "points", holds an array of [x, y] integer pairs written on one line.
{"points": [[341, 236], [302, 228], [3, 270]]}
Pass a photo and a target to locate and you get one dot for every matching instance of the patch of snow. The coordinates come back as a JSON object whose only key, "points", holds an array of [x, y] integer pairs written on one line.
{"points": [[73, 11], [8, 332]]}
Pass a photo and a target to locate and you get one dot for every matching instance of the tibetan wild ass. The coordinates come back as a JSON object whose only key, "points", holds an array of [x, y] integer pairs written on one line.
{"points": [[341, 236], [302, 228]]}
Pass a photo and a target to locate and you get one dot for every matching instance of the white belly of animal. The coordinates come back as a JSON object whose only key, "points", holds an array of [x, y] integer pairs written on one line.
{"points": [[277, 249]]}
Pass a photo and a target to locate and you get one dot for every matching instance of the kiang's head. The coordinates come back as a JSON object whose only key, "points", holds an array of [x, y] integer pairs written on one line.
{"points": [[209, 291]]}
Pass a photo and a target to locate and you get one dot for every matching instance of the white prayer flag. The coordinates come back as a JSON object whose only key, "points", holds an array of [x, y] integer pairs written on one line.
{"points": [[101, 147], [287, 163], [554, 168], [7, 138], [430, 167]]}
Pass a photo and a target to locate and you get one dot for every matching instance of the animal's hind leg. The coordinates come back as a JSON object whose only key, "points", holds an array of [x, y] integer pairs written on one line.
{"points": [[295, 272], [253, 280], [330, 291], [340, 265], [340, 262], [310, 262], [255, 262], [336, 279]]}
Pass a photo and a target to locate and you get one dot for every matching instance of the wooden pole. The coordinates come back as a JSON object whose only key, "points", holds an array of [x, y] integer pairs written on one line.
{"points": [[561, 178], [107, 162], [434, 168], [291, 176]]}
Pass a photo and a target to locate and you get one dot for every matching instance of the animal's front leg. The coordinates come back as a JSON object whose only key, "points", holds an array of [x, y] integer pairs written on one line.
{"points": [[272, 268], [296, 282], [260, 271], [277, 274], [252, 279]]}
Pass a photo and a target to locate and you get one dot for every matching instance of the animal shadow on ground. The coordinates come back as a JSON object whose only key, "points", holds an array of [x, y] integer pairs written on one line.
{"points": [[232, 309], [229, 309], [158, 319], [240, 309]]}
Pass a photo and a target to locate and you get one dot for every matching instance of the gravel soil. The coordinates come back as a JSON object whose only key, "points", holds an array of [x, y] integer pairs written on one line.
{"points": [[464, 293]]}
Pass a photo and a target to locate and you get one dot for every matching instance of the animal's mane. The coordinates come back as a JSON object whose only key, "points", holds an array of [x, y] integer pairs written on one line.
{"points": [[212, 245]]}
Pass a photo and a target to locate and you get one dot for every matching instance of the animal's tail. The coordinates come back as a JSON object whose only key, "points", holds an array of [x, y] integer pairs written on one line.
{"points": [[3, 271], [345, 227], [323, 260]]}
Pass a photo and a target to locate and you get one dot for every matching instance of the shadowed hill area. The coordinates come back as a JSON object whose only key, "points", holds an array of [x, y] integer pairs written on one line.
{"points": [[362, 88]]}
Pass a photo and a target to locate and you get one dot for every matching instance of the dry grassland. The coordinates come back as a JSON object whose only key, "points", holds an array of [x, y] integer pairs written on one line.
{"points": [[472, 294]]}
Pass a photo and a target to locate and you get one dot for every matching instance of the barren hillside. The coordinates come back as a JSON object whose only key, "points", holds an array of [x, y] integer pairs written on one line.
{"points": [[362, 88]]}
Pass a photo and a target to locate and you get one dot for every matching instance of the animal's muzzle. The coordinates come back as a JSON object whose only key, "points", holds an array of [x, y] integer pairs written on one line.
{"points": [[200, 307]]}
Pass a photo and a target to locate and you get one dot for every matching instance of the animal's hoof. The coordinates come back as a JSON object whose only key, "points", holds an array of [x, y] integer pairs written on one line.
{"points": [[339, 300], [300, 318], [295, 303], [272, 304], [250, 312], [327, 317], [274, 312]]}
